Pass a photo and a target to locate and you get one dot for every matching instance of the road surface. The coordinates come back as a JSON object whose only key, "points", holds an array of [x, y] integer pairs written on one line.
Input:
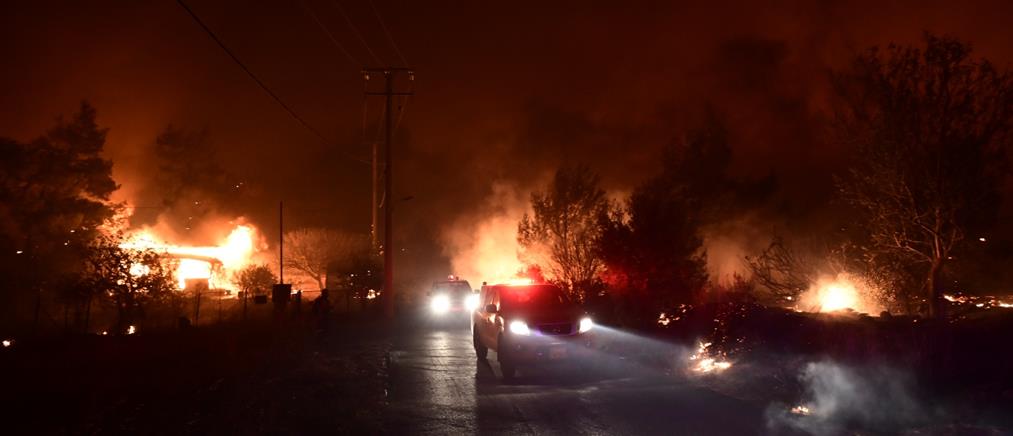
{"points": [[439, 387]]}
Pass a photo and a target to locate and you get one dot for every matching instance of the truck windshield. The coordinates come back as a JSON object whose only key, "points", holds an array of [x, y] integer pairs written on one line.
{"points": [[459, 287], [533, 297]]}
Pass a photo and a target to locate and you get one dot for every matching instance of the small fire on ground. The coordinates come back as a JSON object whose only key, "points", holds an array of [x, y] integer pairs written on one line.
{"points": [[705, 363], [980, 302], [800, 410]]}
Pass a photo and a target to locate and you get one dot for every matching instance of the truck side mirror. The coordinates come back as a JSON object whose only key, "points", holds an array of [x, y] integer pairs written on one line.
{"points": [[491, 308]]}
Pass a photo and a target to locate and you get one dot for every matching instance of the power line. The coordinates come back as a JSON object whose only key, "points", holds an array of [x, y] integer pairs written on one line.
{"points": [[262, 85], [385, 32], [355, 31], [334, 40]]}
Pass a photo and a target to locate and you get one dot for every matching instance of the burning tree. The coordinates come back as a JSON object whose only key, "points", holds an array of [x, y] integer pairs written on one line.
{"points": [[930, 129], [311, 251], [565, 227]]}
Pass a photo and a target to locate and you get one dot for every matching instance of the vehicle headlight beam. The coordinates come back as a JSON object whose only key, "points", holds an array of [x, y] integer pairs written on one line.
{"points": [[586, 324], [440, 304], [520, 328], [471, 302]]}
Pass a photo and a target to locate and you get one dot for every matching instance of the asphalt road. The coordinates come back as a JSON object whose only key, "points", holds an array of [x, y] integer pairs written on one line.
{"points": [[439, 387]]}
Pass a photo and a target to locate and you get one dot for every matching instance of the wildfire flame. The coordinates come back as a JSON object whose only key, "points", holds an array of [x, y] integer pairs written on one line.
{"points": [[704, 363], [841, 292], [983, 302], [838, 296], [801, 410], [212, 263]]}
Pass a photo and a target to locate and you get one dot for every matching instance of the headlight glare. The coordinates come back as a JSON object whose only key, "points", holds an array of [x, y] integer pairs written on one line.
{"points": [[586, 324], [440, 304], [520, 328], [471, 302]]}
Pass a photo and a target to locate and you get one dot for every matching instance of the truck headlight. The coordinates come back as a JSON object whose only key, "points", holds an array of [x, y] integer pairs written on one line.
{"points": [[440, 304], [471, 302], [585, 324], [520, 328]]}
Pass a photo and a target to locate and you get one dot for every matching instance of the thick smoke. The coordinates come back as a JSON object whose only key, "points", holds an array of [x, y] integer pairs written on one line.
{"points": [[839, 398], [729, 242], [482, 245]]}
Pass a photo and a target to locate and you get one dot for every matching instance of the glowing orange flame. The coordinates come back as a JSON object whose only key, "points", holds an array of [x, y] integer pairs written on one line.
{"points": [[704, 363], [212, 263], [837, 296], [841, 292]]}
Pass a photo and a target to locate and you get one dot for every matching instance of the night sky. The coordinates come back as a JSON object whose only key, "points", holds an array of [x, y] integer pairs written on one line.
{"points": [[504, 92]]}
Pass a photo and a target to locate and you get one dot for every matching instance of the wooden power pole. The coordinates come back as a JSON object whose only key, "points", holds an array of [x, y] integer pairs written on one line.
{"points": [[389, 75]]}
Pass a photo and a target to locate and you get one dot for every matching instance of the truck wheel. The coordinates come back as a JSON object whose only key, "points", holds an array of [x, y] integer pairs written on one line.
{"points": [[505, 365], [509, 370], [480, 350]]}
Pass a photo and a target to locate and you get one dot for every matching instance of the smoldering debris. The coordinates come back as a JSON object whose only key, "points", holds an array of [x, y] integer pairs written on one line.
{"points": [[837, 399]]}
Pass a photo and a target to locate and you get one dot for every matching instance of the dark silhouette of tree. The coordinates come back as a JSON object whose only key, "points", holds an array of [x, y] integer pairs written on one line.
{"points": [[698, 167], [128, 279], [651, 246], [652, 251], [563, 229], [355, 274], [255, 280], [188, 180], [930, 131], [54, 196], [312, 250], [782, 272]]}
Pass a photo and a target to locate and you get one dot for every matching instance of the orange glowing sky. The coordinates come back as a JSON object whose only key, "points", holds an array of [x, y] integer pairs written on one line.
{"points": [[504, 92]]}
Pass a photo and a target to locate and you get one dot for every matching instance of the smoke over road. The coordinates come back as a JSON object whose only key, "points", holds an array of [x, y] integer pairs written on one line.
{"points": [[837, 398], [482, 244]]}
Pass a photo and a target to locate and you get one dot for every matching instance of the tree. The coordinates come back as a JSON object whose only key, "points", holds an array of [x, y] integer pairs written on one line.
{"points": [[129, 279], [782, 272], [652, 249], [311, 250], [54, 197], [356, 274], [564, 227], [930, 131], [255, 279], [652, 246], [188, 179]]}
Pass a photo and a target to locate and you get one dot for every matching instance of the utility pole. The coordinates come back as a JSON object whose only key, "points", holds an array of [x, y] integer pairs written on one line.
{"points": [[281, 242], [389, 74], [376, 179]]}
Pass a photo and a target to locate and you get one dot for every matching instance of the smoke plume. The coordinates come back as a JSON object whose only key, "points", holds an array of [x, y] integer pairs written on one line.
{"points": [[482, 245], [839, 398]]}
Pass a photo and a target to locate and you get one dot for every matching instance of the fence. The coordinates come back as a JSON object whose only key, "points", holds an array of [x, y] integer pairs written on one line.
{"points": [[46, 314]]}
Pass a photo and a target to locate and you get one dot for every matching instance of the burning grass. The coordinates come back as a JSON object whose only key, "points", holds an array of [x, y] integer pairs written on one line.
{"points": [[704, 361]]}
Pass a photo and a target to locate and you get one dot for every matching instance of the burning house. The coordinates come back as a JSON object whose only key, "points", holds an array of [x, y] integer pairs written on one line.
{"points": [[208, 267]]}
